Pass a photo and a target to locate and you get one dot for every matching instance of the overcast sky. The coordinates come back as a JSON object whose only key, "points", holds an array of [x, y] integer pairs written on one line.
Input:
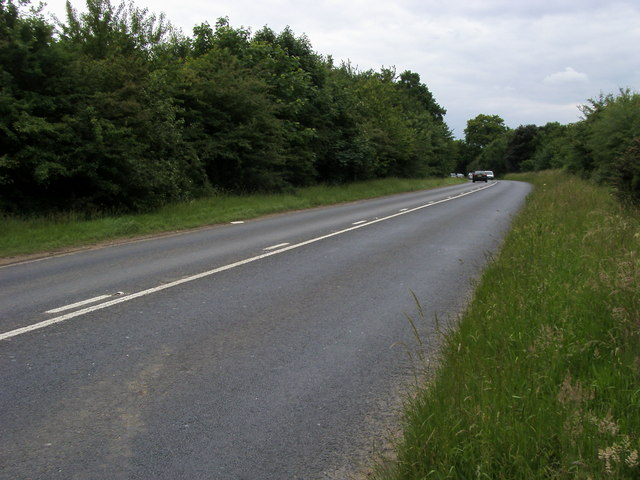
{"points": [[528, 61]]}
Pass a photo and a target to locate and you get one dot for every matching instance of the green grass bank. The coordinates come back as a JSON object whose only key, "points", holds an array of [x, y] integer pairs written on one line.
{"points": [[541, 377], [31, 235]]}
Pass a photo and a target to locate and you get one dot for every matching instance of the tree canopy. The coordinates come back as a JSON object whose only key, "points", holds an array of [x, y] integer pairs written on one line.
{"points": [[113, 109], [603, 145]]}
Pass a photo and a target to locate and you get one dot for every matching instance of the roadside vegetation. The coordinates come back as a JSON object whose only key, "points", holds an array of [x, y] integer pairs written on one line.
{"points": [[111, 113], [112, 108], [604, 146], [29, 234], [540, 379]]}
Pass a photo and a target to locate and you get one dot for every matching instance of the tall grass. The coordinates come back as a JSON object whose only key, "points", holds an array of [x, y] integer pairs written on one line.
{"points": [[541, 379], [26, 235]]}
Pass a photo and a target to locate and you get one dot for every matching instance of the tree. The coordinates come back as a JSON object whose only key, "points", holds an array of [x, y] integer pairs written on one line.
{"points": [[203, 39], [521, 149], [482, 130], [114, 110], [613, 122], [343, 151], [230, 121], [410, 82], [89, 141], [553, 147], [479, 133], [295, 75], [627, 176], [32, 76], [105, 29], [464, 156], [493, 155]]}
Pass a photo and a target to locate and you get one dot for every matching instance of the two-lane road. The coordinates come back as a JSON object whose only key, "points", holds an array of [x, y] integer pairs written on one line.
{"points": [[257, 350]]}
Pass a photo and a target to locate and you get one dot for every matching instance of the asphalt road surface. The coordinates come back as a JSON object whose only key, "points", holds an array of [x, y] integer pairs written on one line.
{"points": [[269, 349]]}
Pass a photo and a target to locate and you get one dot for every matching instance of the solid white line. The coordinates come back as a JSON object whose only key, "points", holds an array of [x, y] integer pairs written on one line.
{"points": [[142, 293], [275, 246], [78, 304]]}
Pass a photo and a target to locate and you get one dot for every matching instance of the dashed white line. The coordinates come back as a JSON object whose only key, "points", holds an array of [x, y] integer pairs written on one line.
{"points": [[142, 293], [359, 223], [280, 245], [78, 304]]}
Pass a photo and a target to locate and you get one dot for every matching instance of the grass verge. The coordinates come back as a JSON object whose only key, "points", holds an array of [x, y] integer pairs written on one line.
{"points": [[28, 235], [541, 377]]}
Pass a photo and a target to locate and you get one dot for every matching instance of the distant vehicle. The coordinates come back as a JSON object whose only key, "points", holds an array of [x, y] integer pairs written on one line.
{"points": [[479, 176], [460, 175], [489, 174], [470, 175]]}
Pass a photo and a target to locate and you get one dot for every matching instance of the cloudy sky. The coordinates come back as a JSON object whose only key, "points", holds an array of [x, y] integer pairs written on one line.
{"points": [[528, 61]]}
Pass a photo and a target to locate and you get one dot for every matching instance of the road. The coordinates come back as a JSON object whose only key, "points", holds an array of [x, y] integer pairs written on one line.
{"points": [[268, 349]]}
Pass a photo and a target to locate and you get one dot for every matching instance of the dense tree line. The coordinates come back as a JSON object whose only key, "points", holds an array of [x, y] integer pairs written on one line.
{"points": [[112, 109], [603, 146]]}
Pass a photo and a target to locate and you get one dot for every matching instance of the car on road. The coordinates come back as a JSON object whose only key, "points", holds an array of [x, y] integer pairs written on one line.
{"points": [[490, 175], [479, 176]]}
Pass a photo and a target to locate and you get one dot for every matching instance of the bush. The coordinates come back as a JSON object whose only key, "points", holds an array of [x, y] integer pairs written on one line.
{"points": [[627, 177]]}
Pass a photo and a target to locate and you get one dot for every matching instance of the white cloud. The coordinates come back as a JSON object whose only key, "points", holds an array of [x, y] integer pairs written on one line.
{"points": [[568, 75]]}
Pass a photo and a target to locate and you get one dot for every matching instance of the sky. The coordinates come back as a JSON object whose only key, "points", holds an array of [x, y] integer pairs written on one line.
{"points": [[528, 61]]}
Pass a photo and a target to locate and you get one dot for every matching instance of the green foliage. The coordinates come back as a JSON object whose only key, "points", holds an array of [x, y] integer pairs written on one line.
{"points": [[31, 73], [552, 149], [405, 136], [479, 133], [627, 172], [230, 122], [493, 155], [521, 148], [613, 123], [114, 110], [105, 29], [344, 153], [602, 146], [482, 130], [418, 92]]}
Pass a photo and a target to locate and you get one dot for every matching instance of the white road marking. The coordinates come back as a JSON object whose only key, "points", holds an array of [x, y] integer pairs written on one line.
{"points": [[280, 245], [149, 291], [78, 304], [359, 223], [403, 210], [237, 223]]}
